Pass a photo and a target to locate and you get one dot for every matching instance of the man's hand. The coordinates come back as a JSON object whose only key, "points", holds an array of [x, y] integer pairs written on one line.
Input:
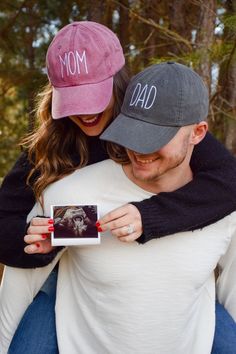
{"points": [[125, 223], [38, 236]]}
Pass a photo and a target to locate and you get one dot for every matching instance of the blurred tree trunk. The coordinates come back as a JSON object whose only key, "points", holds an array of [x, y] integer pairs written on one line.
{"points": [[124, 25], [179, 12], [151, 37], [205, 38], [96, 10], [30, 36], [226, 90], [230, 89]]}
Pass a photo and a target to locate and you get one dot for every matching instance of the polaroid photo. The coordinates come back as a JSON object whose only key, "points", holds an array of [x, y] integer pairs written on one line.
{"points": [[74, 225]]}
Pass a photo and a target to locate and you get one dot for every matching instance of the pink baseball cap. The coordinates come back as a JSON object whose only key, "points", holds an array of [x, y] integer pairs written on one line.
{"points": [[81, 61]]}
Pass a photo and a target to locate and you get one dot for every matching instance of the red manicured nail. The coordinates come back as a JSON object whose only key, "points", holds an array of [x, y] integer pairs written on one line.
{"points": [[51, 221], [44, 236], [37, 244], [99, 229], [97, 224], [51, 228]]}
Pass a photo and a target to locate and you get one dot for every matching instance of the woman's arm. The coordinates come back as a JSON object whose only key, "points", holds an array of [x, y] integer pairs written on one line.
{"points": [[210, 196], [16, 201]]}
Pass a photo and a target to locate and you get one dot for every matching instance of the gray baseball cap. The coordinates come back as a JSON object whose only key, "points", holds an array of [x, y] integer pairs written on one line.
{"points": [[158, 102]]}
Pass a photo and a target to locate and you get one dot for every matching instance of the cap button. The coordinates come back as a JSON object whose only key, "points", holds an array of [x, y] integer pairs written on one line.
{"points": [[170, 62]]}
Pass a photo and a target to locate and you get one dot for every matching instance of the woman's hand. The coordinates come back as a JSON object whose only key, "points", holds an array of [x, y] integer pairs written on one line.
{"points": [[38, 236], [124, 222]]}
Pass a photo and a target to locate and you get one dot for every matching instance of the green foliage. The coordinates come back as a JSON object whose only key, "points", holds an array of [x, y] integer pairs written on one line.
{"points": [[230, 23], [149, 32]]}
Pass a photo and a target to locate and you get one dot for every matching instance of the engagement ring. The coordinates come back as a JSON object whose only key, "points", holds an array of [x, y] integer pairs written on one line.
{"points": [[130, 229]]}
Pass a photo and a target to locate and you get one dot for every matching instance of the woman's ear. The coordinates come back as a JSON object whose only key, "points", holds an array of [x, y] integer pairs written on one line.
{"points": [[198, 133]]}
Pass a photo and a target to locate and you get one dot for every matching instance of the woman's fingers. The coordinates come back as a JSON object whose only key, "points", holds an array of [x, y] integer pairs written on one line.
{"points": [[39, 247], [124, 222], [35, 238], [40, 226], [39, 236], [41, 221]]}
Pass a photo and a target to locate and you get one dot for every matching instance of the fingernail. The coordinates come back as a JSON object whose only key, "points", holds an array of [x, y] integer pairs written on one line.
{"points": [[44, 236], [37, 244], [51, 228], [99, 229], [97, 224], [51, 221]]}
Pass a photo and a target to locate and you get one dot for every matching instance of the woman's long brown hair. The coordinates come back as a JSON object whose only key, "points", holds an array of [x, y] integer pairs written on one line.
{"points": [[51, 146]]}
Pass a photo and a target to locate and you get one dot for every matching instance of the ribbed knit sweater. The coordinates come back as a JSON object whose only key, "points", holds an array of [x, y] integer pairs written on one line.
{"points": [[209, 197]]}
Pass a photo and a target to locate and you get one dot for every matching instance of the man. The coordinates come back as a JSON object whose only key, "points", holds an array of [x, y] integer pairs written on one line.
{"points": [[129, 298]]}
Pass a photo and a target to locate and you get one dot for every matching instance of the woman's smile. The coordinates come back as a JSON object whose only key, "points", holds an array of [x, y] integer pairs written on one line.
{"points": [[94, 124], [90, 121]]}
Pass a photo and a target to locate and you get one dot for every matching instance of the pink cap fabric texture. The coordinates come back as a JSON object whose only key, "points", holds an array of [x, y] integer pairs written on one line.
{"points": [[81, 62]]}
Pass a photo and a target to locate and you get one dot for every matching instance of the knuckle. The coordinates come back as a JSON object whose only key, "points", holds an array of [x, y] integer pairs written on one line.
{"points": [[124, 231], [112, 225], [28, 239], [114, 233], [29, 231], [34, 221], [130, 207], [107, 217], [125, 239]]}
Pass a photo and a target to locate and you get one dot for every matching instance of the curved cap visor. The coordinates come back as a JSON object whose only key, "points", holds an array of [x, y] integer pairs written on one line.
{"points": [[138, 135], [82, 99]]}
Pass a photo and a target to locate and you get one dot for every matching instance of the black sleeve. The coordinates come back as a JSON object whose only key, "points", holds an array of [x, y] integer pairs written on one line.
{"points": [[210, 196], [16, 201]]}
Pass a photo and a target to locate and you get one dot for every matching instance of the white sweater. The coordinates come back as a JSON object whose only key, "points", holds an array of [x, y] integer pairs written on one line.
{"points": [[119, 298]]}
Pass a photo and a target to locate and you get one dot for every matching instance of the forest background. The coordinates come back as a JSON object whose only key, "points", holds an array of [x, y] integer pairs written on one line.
{"points": [[198, 33]]}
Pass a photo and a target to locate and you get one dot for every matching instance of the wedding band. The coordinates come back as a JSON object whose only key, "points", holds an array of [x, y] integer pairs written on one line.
{"points": [[130, 229]]}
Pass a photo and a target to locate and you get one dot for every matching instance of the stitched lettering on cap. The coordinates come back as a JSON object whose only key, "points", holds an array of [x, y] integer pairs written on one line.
{"points": [[73, 63], [144, 97]]}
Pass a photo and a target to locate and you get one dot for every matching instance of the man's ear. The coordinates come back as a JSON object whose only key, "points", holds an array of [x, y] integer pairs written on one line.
{"points": [[198, 133]]}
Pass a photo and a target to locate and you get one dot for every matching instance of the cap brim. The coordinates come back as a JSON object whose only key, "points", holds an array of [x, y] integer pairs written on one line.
{"points": [[82, 99], [138, 135]]}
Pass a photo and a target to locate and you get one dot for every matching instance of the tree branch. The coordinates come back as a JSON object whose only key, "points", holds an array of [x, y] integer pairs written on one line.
{"points": [[168, 33]]}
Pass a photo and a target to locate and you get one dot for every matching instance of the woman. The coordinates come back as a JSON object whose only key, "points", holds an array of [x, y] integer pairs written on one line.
{"points": [[62, 145]]}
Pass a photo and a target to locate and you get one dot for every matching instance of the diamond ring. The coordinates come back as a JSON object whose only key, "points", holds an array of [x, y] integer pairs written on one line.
{"points": [[130, 229]]}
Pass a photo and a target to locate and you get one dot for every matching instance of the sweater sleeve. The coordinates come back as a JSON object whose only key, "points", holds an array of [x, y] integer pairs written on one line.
{"points": [[16, 201], [210, 196]]}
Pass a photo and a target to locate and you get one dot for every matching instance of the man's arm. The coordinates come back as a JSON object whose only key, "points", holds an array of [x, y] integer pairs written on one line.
{"points": [[16, 201], [210, 196]]}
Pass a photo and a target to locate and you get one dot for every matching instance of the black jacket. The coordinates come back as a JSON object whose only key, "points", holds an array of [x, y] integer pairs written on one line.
{"points": [[210, 196]]}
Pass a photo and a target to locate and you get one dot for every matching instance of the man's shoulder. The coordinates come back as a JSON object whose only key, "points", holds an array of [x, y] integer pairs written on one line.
{"points": [[100, 171], [105, 165]]}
